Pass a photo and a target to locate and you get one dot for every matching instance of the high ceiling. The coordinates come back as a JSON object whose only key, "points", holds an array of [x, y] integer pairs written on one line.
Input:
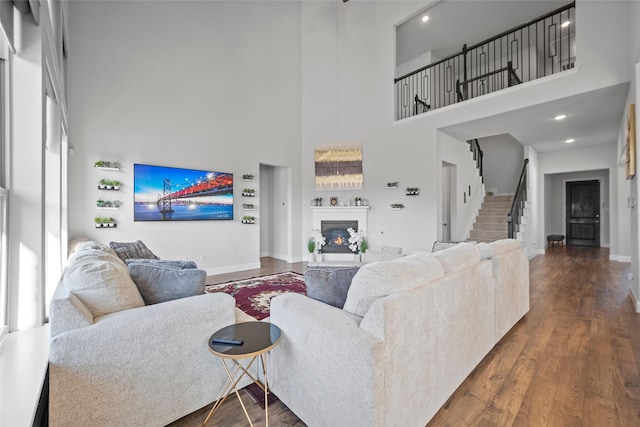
{"points": [[453, 23], [593, 118]]}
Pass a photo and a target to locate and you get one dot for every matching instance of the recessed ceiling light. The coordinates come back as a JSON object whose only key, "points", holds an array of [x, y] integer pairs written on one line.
{"points": [[570, 140], [425, 18], [566, 24], [560, 117]]}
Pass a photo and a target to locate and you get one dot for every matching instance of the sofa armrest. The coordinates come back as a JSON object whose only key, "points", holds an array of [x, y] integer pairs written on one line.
{"points": [[154, 357], [69, 313], [323, 346]]}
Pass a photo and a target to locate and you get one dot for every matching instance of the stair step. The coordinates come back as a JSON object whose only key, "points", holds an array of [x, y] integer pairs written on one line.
{"points": [[493, 212], [501, 198], [490, 227], [495, 235], [497, 205], [493, 219]]}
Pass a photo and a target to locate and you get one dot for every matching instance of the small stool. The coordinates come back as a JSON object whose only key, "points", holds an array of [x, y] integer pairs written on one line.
{"points": [[552, 239]]}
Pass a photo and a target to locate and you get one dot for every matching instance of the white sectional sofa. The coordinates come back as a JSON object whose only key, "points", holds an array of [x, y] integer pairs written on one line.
{"points": [[115, 361], [410, 332]]}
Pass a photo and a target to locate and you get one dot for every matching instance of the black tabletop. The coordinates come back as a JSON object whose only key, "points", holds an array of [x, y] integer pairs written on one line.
{"points": [[257, 337]]}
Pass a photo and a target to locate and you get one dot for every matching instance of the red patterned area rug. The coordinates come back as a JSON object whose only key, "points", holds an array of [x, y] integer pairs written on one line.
{"points": [[253, 296]]}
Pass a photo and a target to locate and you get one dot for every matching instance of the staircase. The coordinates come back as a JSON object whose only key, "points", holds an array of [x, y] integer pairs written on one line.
{"points": [[491, 222]]}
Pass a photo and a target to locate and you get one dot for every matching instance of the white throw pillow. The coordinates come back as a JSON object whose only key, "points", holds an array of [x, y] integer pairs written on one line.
{"points": [[104, 286]]}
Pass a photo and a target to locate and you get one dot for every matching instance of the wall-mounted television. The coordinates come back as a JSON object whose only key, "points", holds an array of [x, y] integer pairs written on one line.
{"points": [[162, 193]]}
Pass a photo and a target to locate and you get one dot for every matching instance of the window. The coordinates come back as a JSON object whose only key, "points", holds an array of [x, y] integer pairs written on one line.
{"points": [[4, 197]]}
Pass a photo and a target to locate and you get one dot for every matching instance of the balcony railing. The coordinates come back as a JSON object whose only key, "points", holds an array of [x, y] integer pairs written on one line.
{"points": [[533, 50]]}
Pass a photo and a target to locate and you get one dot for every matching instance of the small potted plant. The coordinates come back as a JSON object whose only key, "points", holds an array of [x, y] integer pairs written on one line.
{"points": [[311, 245], [248, 219], [100, 203]]}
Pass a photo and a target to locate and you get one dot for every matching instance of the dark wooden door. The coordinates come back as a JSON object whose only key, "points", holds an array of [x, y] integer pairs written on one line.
{"points": [[583, 213]]}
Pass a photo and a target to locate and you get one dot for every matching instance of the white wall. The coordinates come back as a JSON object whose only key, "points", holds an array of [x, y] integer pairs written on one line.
{"points": [[502, 165], [630, 189], [244, 83], [198, 84], [467, 203], [347, 77], [555, 188], [534, 205]]}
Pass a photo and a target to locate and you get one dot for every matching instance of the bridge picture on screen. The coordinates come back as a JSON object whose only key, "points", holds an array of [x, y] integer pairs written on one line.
{"points": [[164, 193]]}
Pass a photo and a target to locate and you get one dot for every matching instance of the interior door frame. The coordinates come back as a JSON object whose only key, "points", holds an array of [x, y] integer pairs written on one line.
{"points": [[564, 202], [453, 208]]}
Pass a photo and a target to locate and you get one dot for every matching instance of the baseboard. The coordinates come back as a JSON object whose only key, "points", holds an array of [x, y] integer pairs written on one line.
{"points": [[534, 253], [619, 258], [232, 268], [636, 303]]}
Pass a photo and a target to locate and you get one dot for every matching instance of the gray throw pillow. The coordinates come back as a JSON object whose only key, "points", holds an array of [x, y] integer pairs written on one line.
{"points": [[160, 283], [137, 249], [329, 285], [163, 262]]}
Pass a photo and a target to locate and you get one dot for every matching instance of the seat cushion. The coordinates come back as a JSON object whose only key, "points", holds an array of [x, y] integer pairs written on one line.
{"points": [[379, 279], [160, 282]]}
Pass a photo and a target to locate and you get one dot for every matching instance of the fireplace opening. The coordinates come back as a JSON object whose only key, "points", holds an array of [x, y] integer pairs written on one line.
{"points": [[336, 235]]}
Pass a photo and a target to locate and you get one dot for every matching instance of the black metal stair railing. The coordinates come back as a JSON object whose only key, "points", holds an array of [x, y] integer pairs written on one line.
{"points": [[514, 217], [530, 51], [478, 155]]}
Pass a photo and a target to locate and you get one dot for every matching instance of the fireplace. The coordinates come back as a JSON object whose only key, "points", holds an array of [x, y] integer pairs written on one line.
{"points": [[336, 235], [349, 216]]}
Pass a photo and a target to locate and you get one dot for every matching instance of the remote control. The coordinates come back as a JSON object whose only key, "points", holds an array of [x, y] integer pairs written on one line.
{"points": [[226, 341]]}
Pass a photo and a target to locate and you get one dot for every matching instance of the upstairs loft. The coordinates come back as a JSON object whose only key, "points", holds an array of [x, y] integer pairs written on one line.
{"points": [[542, 47]]}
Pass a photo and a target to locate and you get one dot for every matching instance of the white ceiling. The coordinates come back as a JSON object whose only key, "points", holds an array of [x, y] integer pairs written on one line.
{"points": [[453, 23], [593, 118]]}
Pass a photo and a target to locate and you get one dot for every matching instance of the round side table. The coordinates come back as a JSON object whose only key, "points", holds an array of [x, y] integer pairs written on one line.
{"points": [[258, 338]]}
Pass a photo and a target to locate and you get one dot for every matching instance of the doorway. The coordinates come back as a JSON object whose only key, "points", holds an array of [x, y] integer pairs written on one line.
{"points": [[448, 229], [583, 213], [275, 212]]}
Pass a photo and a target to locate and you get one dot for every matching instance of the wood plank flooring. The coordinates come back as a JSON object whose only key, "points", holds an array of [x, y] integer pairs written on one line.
{"points": [[573, 360]]}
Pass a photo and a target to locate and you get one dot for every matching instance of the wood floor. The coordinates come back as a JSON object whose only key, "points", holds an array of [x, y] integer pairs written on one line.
{"points": [[573, 360]]}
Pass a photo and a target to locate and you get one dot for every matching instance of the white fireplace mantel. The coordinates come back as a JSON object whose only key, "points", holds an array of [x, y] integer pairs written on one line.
{"points": [[339, 213]]}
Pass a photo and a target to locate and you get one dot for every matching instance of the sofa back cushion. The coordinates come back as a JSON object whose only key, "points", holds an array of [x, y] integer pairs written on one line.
{"points": [[489, 250], [102, 284], [379, 279], [458, 257]]}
